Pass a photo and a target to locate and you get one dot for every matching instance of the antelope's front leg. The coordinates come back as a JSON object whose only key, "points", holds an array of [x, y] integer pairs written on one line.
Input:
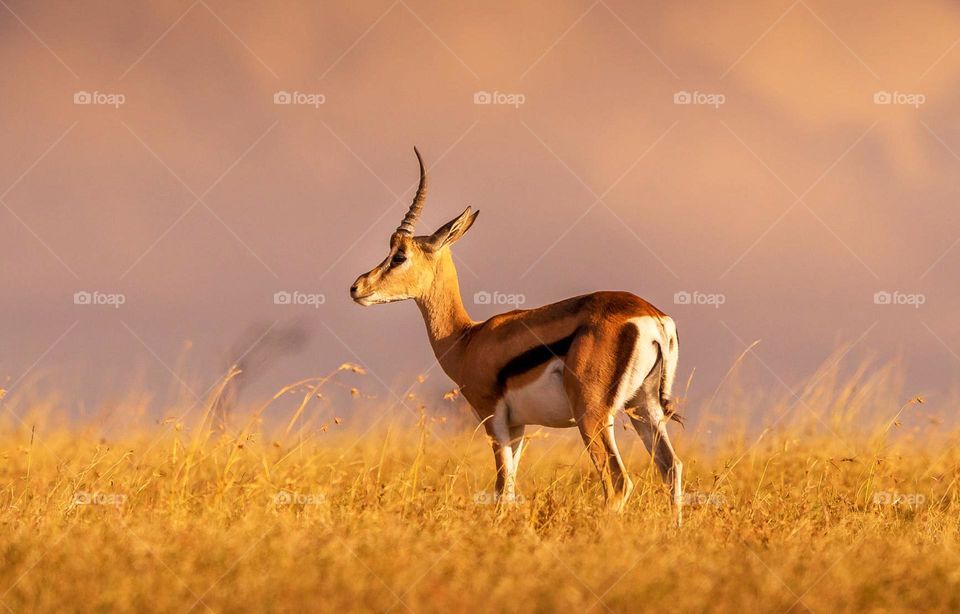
{"points": [[507, 445], [498, 458]]}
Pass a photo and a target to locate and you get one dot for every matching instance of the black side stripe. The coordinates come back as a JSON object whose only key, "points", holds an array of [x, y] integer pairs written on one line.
{"points": [[625, 346], [534, 357]]}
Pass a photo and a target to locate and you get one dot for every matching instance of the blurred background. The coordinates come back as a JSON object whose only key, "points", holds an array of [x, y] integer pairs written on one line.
{"points": [[184, 183]]}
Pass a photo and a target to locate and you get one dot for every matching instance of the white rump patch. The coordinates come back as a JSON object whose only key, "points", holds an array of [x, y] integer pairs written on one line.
{"points": [[643, 359]]}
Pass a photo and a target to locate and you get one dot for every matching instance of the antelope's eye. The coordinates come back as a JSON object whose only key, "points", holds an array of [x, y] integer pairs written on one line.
{"points": [[398, 259]]}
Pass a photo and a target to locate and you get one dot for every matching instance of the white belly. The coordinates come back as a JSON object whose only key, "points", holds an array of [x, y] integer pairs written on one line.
{"points": [[541, 401]]}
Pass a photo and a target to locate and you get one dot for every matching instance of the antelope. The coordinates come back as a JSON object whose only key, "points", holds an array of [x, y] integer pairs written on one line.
{"points": [[574, 363]]}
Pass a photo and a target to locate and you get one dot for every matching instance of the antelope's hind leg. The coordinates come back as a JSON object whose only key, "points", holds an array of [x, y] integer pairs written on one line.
{"points": [[595, 421], [591, 381], [650, 422], [596, 428]]}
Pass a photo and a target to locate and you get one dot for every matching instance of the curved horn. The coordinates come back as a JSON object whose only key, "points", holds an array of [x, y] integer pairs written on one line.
{"points": [[410, 219]]}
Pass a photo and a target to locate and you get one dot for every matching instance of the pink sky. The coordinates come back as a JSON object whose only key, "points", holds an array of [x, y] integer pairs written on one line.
{"points": [[793, 199]]}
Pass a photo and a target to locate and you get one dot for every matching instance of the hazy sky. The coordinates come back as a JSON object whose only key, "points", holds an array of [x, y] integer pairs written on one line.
{"points": [[814, 167]]}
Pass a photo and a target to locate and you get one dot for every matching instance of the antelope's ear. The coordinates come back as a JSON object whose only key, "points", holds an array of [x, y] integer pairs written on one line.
{"points": [[452, 230]]}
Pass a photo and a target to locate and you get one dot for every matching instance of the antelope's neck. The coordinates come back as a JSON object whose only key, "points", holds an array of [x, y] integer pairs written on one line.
{"points": [[446, 319]]}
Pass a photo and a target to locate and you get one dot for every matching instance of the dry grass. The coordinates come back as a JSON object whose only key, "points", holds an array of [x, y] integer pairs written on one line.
{"points": [[320, 516]]}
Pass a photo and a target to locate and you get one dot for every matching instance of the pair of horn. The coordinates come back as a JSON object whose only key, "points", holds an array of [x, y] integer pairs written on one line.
{"points": [[409, 222]]}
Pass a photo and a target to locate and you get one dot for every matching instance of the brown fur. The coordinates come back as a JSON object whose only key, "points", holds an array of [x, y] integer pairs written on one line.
{"points": [[590, 329]]}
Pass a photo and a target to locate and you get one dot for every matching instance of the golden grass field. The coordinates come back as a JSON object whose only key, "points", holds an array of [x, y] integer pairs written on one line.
{"points": [[842, 501]]}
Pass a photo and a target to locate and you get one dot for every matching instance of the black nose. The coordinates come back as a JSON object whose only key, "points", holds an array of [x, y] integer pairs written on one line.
{"points": [[353, 290]]}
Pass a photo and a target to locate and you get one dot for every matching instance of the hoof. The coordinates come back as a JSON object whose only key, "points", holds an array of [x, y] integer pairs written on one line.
{"points": [[618, 502]]}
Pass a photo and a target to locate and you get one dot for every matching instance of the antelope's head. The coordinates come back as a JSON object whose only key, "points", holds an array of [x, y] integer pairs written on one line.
{"points": [[414, 264]]}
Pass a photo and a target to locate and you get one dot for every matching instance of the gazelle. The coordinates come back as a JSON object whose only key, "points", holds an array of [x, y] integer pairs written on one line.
{"points": [[572, 363]]}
